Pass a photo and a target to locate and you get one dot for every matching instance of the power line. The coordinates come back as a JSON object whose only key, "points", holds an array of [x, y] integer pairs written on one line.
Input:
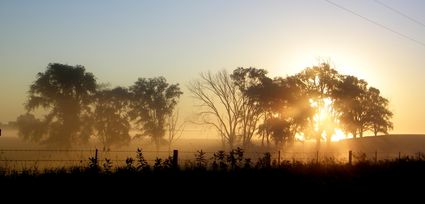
{"points": [[400, 13], [376, 23]]}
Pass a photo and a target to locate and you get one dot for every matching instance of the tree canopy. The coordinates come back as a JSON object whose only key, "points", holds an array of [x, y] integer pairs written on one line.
{"points": [[314, 103], [65, 92], [152, 101], [240, 105], [111, 121]]}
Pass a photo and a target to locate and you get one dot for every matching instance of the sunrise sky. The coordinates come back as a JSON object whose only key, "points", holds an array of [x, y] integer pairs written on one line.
{"points": [[119, 41]]}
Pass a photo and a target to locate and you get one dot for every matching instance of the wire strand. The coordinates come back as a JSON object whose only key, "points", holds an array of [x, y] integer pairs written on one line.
{"points": [[400, 13], [376, 23]]}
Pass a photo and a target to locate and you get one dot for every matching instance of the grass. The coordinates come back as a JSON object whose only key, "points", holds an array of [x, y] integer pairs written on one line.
{"points": [[226, 173]]}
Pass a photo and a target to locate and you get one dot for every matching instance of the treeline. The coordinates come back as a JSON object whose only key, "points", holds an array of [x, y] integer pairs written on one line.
{"points": [[79, 108], [312, 103], [240, 106]]}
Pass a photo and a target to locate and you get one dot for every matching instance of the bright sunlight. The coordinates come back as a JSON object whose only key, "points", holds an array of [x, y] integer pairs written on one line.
{"points": [[325, 120]]}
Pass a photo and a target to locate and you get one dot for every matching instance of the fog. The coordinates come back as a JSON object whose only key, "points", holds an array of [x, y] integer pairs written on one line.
{"points": [[17, 154]]}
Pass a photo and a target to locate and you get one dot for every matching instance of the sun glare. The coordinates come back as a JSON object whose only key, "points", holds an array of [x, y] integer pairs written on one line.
{"points": [[325, 121], [338, 135]]}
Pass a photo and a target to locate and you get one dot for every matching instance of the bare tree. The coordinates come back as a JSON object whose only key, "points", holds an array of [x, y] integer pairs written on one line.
{"points": [[220, 104], [174, 129]]}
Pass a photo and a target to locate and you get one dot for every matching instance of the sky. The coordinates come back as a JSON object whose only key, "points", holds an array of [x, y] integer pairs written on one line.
{"points": [[119, 41]]}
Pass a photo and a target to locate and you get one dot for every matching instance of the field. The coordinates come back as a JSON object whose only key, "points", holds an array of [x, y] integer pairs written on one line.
{"points": [[17, 154], [301, 171]]}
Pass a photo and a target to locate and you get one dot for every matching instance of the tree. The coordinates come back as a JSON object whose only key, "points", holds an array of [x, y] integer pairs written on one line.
{"points": [[30, 128], [247, 80], [174, 129], [65, 92], [320, 82], [352, 105], [220, 102], [152, 101], [378, 114], [290, 110], [261, 94], [111, 120]]}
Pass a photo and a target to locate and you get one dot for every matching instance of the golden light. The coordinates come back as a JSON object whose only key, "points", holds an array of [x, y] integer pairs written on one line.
{"points": [[338, 135], [325, 121], [300, 137]]}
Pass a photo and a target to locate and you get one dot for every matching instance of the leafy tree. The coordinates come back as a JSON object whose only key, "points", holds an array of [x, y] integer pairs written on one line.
{"points": [[30, 128], [247, 80], [320, 82], [65, 92], [378, 115], [290, 109], [153, 100], [111, 120], [352, 105]]}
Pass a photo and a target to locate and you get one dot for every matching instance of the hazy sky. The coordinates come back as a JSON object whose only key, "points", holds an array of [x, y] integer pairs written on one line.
{"points": [[120, 41]]}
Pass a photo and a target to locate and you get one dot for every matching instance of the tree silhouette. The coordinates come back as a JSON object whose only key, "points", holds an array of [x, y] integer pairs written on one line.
{"points": [[248, 79], [221, 103], [111, 120], [174, 128], [289, 107], [152, 101], [30, 128], [261, 93], [378, 115], [352, 105], [65, 92], [320, 81]]}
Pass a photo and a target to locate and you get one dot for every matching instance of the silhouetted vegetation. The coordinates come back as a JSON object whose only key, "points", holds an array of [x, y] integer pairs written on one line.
{"points": [[111, 121], [78, 108], [241, 105], [66, 92], [233, 170], [312, 103], [153, 100]]}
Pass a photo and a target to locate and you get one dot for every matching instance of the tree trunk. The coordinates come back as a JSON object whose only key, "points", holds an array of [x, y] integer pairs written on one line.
{"points": [[268, 141], [318, 138], [354, 134], [262, 141], [328, 139], [231, 143]]}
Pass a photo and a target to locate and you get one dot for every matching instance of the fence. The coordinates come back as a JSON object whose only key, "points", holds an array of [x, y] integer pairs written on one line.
{"points": [[18, 159]]}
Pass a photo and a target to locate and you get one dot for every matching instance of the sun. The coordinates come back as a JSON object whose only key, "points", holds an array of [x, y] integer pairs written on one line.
{"points": [[325, 121], [338, 135]]}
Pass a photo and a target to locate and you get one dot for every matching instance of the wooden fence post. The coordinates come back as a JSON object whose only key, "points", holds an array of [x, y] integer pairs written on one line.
{"points": [[175, 158], [376, 156], [350, 157]]}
